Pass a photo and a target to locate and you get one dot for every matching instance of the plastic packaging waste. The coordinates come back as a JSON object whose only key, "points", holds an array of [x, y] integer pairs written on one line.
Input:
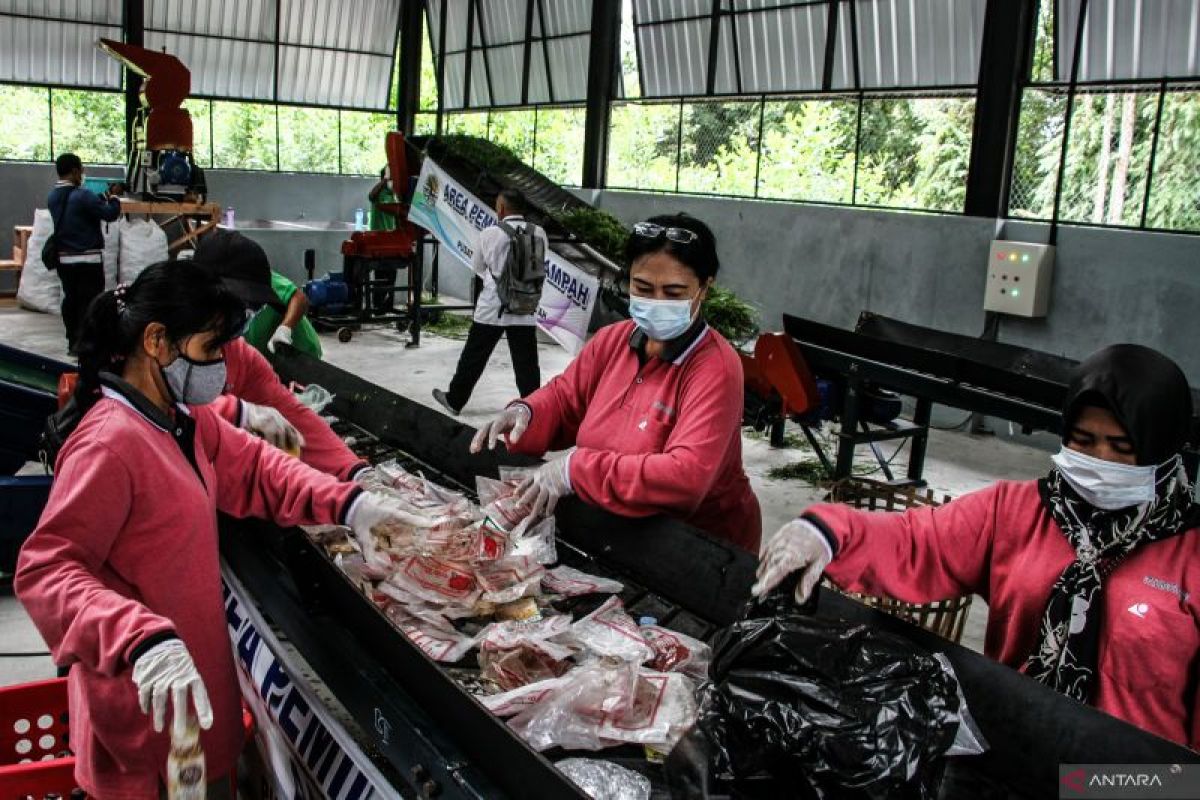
{"points": [[606, 703], [825, 707], [569, 582], [315, 397], [610, 632], [677, 652], [603, 780]]}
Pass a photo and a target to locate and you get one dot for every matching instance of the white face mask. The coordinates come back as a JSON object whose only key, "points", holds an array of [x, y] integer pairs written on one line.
{"points": [[1106, 485]]}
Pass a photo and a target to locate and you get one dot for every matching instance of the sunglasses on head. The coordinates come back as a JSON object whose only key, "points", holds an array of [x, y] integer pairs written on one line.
{"points": [[650, 230]]}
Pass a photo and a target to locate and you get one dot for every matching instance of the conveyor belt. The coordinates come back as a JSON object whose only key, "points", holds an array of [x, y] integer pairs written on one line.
{"points": [[683, 575]]}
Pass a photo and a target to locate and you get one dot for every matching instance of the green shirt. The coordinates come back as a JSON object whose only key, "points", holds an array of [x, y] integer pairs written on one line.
{"points": [[380, 220], [264, 323]]}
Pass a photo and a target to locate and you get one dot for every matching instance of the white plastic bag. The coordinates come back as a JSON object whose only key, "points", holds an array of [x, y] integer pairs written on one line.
{"points": [[437, 638], [142, 243], [569, 582], [112, 253], [40, 289], [509, 579], [610, 632], [316, 398]]}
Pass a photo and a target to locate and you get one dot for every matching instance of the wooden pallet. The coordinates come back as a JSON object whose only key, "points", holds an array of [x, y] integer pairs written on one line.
{"points": [[946, 618]]}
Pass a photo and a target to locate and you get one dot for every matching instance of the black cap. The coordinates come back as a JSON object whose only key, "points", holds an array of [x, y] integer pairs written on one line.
{"points": [[240, 263]]}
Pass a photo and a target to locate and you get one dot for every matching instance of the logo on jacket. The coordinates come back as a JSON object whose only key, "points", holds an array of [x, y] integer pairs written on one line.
{"points": [[1140, 610], [1166, 586]]}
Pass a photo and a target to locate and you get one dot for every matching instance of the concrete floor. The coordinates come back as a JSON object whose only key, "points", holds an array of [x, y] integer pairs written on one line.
{"points": [[956, 463]]}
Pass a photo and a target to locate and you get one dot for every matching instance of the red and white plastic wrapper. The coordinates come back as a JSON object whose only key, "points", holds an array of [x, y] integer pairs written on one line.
{"points": [[439, 640], [419, 491], [436, 581], [518, 666], [479, 542], [536, 542], [536, 634], [505, 704], [500, 505], [605, 704], [677, 652], [361, 573], [663, 708], [517, 653], [609, 632], [572, 714], [509, 579], [570, 582]]}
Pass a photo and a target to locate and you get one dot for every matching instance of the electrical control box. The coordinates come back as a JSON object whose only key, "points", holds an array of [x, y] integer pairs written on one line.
{"points": [[1018, 278]]}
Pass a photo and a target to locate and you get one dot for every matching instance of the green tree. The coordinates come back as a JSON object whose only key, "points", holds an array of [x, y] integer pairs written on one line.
{"points": [[25, 134], [90, 124], [244, 136], [308, 139]]}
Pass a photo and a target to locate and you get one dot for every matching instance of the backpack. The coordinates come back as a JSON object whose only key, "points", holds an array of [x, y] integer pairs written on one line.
{"points": [[59, 426], [520, 283], [50, 248]]}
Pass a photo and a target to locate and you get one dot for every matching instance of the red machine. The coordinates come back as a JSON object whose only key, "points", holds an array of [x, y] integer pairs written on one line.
{"points": [[160, 163], [366, 247]]}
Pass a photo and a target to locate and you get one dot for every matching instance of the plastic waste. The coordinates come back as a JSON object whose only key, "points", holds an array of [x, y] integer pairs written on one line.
{"points": [[569, 582], [315, 397], [826, 708], [610, 632], [603, 780], [185, 765], [677, 652]]}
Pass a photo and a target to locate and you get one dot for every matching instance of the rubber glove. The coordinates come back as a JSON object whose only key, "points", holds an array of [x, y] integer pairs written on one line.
{"points": [[542, 489], [282, 334], [271, 425], [511, 423], [377, 511], [798, 545], [167, 670]]}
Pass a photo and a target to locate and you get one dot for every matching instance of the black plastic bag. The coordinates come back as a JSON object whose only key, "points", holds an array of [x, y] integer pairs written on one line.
{"points": [[817, 708]]}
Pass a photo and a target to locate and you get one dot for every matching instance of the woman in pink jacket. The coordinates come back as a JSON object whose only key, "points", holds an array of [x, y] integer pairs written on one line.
{"points": [[121, 575], [652, 406], [1091, 574]]}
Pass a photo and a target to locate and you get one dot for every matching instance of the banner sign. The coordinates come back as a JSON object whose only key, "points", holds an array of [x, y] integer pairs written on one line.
{"points": [[309, 753], [455, 217]]}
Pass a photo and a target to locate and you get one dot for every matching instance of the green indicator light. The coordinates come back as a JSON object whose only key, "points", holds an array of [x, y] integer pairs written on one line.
{"points": [[1016, 292], [1025, 257]]}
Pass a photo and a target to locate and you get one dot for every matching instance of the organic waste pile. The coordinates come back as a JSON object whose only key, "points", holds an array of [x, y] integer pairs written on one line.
{"points": [[557, 652]]}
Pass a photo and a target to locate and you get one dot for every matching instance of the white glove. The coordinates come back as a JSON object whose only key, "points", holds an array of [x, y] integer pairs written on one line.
{"points": [[511, 423], [372, 510], [798, 545], [271, 425], [542, 489], [166, 670], [282, 334]]}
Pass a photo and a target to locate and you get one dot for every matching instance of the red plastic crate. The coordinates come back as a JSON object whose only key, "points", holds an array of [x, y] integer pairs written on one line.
{"points": [[33, 730]]}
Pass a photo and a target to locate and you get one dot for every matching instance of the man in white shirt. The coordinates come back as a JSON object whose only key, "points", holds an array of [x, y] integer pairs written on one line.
{"points": [[491, 321]]}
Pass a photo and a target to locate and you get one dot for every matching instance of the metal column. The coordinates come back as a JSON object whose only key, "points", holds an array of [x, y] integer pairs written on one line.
{"points": [[408, 92], [1007, 47], [603, 61], [133, 24]]}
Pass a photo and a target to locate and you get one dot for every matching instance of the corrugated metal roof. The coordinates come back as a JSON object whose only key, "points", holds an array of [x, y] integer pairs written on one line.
{"points": [[782, 50], [329, 53], [54, 41], [562, 39], [919, 43], [780, 45], [1131, 39]]}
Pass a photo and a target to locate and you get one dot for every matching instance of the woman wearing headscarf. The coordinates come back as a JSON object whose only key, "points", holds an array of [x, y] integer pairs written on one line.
{"points": [[1091, 574]]}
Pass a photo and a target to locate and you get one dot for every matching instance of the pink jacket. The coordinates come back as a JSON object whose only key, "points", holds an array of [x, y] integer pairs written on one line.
{"points": [[251, 378], [126, 548], [1002, 544], [661, 438]]}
